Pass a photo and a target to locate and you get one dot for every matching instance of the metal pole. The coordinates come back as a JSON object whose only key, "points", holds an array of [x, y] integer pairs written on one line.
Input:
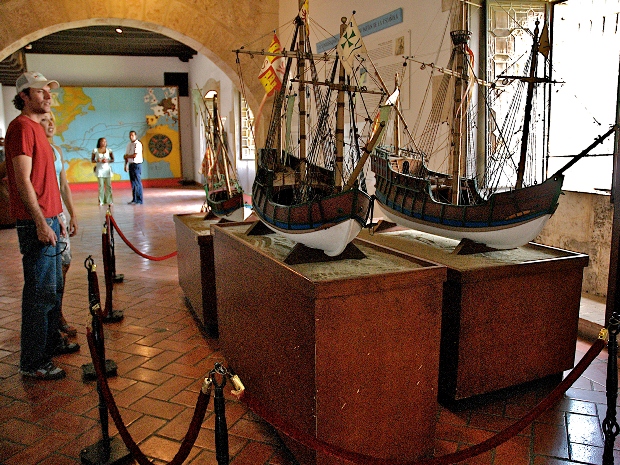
{"points": [[610, 423], [221, 429]]}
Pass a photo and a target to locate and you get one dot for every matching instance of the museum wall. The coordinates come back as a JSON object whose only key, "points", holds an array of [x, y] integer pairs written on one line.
{"points": [[113, 71], [583, 223]]}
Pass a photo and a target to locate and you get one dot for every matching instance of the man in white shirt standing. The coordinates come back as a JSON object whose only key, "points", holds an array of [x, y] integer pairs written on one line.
{"points": [[133, 164]]}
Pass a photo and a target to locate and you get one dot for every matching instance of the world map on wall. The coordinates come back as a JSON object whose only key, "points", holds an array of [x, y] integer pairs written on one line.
{"points": [[84, 114]]}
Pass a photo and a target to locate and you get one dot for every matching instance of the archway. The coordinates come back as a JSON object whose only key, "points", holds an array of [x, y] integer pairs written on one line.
{"points": [[213, 29]]}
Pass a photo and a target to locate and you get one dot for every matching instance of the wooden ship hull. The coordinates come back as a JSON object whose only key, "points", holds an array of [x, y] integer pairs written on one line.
{"points": [[328, 224], [231, 208], [504, 221]]}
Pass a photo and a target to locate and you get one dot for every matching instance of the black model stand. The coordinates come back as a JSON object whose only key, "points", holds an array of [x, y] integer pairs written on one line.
{"points": [[105, 451], [88, 370]]}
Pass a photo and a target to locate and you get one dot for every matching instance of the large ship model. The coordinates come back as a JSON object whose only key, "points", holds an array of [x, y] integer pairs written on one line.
{"points": [[310, 184], [224, 194], [459, 202]]}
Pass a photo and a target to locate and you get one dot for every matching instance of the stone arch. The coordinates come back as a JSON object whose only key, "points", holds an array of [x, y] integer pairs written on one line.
{"points": [[212, 28]]}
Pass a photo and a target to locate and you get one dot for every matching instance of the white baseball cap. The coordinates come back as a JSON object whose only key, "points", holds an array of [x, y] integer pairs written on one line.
{"points": [[34, 79]]}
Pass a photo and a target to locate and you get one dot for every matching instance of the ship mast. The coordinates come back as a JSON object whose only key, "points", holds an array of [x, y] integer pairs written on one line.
{"points": [[339, 173], [397, 120], [219, 144], [528, 110], [301, 70], [460, 36]]}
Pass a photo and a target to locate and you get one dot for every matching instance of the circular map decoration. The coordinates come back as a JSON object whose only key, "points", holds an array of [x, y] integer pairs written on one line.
{"points": [[160, 145]]}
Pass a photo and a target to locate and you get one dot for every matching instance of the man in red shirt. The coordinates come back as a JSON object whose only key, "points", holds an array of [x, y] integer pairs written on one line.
{"points": [[35, 204]]}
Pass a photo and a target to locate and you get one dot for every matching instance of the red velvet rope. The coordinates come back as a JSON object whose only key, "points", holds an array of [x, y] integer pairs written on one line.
{"points": [[130, 245], [312, 442], [192, 431]]}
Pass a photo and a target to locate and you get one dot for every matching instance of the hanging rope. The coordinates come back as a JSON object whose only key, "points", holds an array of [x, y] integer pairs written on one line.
{"points": [[192, 431], [511, 431], [130, 245]]}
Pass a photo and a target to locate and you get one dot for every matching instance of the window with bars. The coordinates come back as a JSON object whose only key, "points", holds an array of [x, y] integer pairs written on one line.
{"points": [[583, 99]]}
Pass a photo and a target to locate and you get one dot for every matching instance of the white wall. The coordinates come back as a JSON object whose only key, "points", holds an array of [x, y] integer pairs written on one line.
{"points": [[424, 25], [94, 71], [9, 112]]}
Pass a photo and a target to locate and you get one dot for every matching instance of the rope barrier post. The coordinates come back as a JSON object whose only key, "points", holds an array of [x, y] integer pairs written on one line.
{"points": [[88, 369], [109, 314], [221, 429], [610, 423], [117, 278], [105, 451]]}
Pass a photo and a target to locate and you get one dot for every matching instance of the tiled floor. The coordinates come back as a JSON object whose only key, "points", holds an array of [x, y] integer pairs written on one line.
{"points": [[162, 357]]}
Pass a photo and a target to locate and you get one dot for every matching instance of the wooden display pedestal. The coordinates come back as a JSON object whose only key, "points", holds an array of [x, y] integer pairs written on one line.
{"points": [[509, 317], [347, 351], [196, 270]]}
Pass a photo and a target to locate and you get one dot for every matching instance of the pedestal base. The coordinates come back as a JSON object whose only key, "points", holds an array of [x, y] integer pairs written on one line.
{"points": [[89, 374], [345, 350], [114, 316], [99, 454], [508, 316]]}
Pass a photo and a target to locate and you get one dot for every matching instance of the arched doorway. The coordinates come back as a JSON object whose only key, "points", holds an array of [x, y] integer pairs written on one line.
{"points": [[212, 29]]}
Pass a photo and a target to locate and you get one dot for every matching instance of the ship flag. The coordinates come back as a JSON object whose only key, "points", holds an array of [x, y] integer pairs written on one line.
{"points": [[304, 14], [544, 46], [272, 71], [350, 45]]}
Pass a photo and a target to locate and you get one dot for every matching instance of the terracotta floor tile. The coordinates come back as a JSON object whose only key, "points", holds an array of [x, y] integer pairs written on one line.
{"points": [[161, 360], [185, 397], [68, 423], [170, 388], [490, 422], [584, 429], [46, 446], [134, 392], [257, 431], [205, 457], [21, 432], [148, 376], [551, 440], [9, 449], [157, 408], [513, 452], [163, 449], [254, 453], [144, 427]]}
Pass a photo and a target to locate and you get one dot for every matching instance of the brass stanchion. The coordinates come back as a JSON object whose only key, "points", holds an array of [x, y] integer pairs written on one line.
{"points": [[109, 314], [94, 304], [116, 278], [106, 451]]}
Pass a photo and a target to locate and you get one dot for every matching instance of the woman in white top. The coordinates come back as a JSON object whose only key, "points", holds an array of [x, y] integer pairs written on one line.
{"points": [[103, 156]]}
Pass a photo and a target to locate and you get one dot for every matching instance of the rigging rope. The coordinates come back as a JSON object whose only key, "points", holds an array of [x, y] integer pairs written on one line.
{"points": [[131, 246]]}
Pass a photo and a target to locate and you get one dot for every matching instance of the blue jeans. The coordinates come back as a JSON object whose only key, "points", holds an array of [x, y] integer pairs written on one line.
{"points": [[42, 295], [135, 176]]}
